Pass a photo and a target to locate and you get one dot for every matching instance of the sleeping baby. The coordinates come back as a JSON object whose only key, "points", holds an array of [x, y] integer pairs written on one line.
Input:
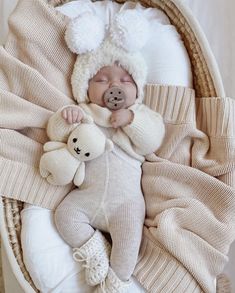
{"points": [[108, 83]]}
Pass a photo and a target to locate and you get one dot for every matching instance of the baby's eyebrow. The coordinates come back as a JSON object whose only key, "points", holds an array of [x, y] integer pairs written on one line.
{"points": [[100, 73], [101, 76], [128, 76]]}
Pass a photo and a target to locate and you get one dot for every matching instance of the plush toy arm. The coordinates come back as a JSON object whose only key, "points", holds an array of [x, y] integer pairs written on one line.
{"points": [[79, 175], [53, 145]]}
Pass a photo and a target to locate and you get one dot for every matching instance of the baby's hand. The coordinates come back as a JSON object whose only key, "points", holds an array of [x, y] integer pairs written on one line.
{"points": [[121, 118], [72, 114]]}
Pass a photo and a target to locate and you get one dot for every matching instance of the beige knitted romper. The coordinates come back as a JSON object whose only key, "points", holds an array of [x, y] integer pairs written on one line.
{"points": [[110, 199]]}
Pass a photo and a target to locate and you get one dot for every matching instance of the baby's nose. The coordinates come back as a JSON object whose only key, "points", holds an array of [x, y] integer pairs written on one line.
{"points": [[114, 83]]}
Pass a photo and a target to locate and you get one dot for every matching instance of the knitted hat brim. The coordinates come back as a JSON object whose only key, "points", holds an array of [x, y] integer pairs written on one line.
{"points": [[87, 65]]}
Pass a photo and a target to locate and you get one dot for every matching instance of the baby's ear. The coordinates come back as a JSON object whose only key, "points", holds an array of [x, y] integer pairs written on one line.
{"points": [[108, 145]]}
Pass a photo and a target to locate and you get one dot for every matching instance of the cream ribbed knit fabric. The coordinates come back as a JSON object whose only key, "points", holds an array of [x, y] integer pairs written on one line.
{"points": [[190, 214], [110, 199]]}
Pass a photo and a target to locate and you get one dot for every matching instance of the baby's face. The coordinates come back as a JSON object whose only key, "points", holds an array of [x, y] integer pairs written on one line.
{"points": [[110, 76]]}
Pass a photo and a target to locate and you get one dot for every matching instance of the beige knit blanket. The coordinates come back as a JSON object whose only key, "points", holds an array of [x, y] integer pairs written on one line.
{"points": [[188, 185]]}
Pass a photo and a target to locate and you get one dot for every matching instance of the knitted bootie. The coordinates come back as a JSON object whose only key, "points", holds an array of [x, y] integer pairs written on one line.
{"points": [[95, 253], [113, 284]]}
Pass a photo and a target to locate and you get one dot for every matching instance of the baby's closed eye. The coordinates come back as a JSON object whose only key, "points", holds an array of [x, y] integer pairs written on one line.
{"points": [[101, 79], [127, 79]]}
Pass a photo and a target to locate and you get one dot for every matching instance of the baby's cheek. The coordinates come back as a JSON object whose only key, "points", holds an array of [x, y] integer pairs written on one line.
{"points": [[96, 95], [130, 100], [132, 90]]}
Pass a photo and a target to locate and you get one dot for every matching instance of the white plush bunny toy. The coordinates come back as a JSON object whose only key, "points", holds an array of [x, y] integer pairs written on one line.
{"points": [[63, 163]]}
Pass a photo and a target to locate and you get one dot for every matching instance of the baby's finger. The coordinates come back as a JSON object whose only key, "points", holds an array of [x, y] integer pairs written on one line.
{"points": [[64, 114], [69, 116], [79, 116], [75, 115], [113, 117], [114, 124]]}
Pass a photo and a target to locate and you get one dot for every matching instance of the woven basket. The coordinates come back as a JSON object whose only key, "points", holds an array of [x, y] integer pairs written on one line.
{"points": [[207, 83]]}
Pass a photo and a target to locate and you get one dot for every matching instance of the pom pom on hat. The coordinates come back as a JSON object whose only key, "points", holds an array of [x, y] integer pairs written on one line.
{"points": [[85, 33], [130, 30]]}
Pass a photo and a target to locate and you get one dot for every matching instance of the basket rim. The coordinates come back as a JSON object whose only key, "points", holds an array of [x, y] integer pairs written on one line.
{"points": [[210, 79], [10, 255], [205, 46]]}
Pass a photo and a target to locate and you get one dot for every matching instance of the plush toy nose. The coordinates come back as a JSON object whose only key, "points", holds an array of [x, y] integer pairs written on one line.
{"points": [[114, 98]]}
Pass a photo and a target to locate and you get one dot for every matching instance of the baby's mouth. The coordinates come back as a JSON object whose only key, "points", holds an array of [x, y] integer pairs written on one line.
{"points": [[77, 150]]}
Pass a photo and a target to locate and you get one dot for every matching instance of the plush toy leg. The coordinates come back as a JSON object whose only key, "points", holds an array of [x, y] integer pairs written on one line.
{"points": [[95, 253], [42, 167], [51, 180], [113, 284], [44, 173]]}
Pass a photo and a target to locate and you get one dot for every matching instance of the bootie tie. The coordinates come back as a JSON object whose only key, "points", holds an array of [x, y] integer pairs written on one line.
{"points": [[95, 253], [113, 284]]}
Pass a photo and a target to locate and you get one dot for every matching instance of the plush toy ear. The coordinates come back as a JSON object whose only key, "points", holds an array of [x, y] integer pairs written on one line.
{"points": [[85, 33], [108, 145], [130, 30]]}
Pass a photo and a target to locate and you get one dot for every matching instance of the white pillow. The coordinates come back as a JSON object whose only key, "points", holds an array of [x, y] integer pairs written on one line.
{"points": [[165, 54], [49, 259]]}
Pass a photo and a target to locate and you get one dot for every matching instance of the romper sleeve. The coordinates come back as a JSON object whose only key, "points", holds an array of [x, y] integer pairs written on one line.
{"points": [[146, 131]]}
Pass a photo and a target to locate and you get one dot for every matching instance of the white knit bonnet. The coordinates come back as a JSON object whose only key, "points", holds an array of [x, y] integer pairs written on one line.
{"points": [[98, 46]]}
